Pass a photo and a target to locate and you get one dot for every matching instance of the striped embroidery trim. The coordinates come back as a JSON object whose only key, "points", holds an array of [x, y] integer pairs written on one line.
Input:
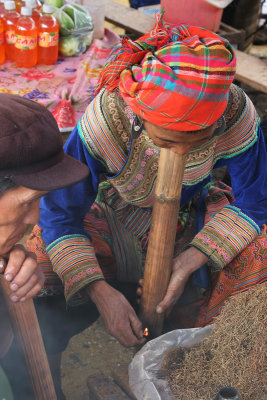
{"points": [[102, 131], [97, 139], [234, 141], [74, 261], [226, 235]]}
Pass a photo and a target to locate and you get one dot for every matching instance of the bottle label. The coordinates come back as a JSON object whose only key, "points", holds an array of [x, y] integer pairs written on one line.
{"points": [[10, 37], [48, 39], [26, 42], [2, 38]]}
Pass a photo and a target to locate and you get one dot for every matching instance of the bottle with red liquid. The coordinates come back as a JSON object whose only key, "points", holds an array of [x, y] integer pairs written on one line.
{"points": [[26, 40], [19, 4], [11, 19], [47, 36], [2, 9], [2, 42], [35, 13], [38, 4]]}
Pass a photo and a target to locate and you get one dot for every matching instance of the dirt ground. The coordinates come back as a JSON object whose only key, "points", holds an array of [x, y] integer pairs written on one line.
{"points": [[91, 351]]}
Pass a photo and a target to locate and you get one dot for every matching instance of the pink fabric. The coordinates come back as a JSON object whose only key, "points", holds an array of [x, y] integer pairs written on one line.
{"points": [[74, 77]]}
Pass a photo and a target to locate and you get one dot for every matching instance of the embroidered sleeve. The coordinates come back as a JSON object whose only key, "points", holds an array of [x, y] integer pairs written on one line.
{"points": [[62, 211], [233, 229], [242, 123], [105, 130], [225, 236], [74, 261], [61, 219]]}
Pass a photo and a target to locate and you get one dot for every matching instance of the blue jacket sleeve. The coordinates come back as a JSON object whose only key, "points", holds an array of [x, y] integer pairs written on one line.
{"points": [[233, 228], [249, 183], [62, 211]]}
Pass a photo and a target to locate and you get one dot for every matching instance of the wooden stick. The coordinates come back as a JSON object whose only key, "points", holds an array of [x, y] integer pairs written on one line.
{"points": [[25, 324], [162, 238]]}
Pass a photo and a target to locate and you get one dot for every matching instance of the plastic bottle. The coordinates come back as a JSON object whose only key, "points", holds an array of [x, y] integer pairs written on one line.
{"points": [[39, 4], [47, 36], [2, 9], [26, 40], [35, 13], [19, 5], [10, 22], [2, 42]]}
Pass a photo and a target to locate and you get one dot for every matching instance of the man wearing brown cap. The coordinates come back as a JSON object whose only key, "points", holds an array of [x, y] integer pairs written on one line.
{"points": [[32, 163]]}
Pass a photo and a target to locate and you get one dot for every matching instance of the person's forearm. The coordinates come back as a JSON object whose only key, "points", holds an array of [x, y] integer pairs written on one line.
{"points": [[96, 289], [191, 260]]}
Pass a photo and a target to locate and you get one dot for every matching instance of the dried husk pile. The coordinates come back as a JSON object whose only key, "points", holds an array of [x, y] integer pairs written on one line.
{"points": [[234, 354]]}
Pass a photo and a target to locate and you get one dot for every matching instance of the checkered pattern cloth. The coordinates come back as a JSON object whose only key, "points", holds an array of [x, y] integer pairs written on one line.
{"points": [[176, 77]]}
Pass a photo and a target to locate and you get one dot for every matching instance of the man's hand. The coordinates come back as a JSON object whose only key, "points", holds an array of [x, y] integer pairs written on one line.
{"points": [[183, 266], [120, 319], [22, 271]]}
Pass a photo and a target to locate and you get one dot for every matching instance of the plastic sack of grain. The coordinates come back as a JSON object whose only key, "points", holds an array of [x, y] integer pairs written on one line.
{"points": [[145, 377]]}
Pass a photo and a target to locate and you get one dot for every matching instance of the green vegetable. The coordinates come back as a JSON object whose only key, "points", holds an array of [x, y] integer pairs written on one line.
{"points": [[65, 22], [70, 11], [80, 17], [55, 3], [88, 39], [68, 46], [83, 20], [79, 8]]}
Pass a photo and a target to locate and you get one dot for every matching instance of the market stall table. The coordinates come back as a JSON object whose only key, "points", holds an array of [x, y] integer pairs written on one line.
{"points": [[72, 77]]}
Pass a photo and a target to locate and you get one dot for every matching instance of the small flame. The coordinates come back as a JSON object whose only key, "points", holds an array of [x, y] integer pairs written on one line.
{"points": [[146, 332]]}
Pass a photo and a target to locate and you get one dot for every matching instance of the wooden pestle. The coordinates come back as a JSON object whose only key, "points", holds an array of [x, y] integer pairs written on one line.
{"points": [[26, 327], [162, 234]]}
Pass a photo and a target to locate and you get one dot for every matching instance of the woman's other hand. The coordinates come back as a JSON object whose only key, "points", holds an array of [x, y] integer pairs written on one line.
{"points": [[183, 266]]}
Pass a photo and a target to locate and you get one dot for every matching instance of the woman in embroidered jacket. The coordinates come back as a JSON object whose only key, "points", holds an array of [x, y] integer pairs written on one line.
{"points": [[175, 84]]}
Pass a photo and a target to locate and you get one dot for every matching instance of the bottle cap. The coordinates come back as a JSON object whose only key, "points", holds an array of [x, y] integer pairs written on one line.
{"points": [[48, 8], [27, 11], [30, 3], [10, 5]]}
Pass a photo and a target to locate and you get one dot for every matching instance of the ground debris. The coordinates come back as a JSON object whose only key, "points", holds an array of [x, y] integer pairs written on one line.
{"points": [[234, 354]]}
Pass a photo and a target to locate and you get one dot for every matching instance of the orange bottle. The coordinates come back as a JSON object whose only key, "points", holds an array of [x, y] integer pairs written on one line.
{"points": [[38, 4], [2, 42], [35, 13], [2, 9], [47, 36], [10, 21], [26, 40], [19, 5]]}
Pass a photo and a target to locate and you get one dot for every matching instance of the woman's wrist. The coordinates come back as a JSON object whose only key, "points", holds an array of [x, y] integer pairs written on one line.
{"points": [[191, 259], [96, 289]]}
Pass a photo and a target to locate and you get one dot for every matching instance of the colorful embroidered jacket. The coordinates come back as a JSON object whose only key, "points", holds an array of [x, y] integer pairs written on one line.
{"points": [[123, 174]]}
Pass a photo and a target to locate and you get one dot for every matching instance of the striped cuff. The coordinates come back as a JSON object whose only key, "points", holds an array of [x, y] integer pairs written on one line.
{"points": [[74, 261], [228, 233]]}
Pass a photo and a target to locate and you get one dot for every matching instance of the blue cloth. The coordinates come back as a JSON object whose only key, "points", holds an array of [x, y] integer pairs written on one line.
{"points": [[143, 3], [201, 276], [62, 211]]}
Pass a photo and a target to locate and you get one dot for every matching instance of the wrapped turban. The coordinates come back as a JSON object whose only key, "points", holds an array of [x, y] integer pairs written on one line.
{"points": [[176, 77]]}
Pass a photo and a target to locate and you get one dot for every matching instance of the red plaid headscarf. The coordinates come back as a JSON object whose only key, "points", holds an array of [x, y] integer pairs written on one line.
{"points": [[177, 77]]}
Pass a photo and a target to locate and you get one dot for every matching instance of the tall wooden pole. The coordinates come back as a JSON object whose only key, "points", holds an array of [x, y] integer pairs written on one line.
{"points": [[26, 327], [161, 238]]}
